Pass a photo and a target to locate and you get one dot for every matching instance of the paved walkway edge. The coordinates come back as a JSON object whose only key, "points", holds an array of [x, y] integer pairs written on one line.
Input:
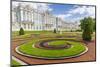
{"points": [[21, 62]]}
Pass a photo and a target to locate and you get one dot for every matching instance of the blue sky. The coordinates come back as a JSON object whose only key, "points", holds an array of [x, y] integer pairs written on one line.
{"points": [[59, 9], [73, 13], [67, 12]]}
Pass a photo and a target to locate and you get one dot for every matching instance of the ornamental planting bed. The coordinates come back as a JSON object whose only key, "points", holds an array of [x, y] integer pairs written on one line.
{"points": [[52, 50], [89, 55]]}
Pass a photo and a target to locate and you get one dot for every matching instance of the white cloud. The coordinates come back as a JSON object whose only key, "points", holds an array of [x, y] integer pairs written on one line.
{"points": [[82, 11], [91, 11], [79, 10]]}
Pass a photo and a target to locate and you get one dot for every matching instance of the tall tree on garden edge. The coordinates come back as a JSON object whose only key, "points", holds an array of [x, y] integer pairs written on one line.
{"points": [[87, 25]]}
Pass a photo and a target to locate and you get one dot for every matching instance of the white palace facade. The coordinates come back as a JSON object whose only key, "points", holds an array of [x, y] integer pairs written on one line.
{"points": [[31, 19]]}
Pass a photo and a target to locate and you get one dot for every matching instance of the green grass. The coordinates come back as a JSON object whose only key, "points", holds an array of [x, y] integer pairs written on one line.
{"points": [[15, 34], [59, 42], [13, 62], [76, 49], [43, 33]]}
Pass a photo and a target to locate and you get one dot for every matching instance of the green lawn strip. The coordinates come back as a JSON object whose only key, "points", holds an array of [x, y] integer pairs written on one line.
{"points": [[20, 36], [48, 33], [73, 51], [13, 62], [16, 33], [55, 43]]}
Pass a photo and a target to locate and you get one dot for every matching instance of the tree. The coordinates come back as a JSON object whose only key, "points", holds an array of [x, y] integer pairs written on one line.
{"points": [[94, 28], [87, 25], [21, 31]]}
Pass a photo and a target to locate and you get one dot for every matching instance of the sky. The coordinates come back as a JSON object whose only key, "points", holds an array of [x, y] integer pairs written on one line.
{"points": [[67, 12]]}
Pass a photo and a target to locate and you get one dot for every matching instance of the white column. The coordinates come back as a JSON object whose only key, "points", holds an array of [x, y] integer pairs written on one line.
{"points": [[21, 15], [31, 17], [26, 15]]}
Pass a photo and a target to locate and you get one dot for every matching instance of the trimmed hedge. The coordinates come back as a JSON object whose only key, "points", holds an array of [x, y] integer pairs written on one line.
{"points": [[55, 31], [21, 31]]}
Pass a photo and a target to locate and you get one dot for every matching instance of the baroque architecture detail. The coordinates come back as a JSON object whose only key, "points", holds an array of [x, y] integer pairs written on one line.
{"points": [[33, 19]]}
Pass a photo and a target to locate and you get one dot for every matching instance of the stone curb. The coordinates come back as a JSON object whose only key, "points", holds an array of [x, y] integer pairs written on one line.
{"points": [[19, 61]]}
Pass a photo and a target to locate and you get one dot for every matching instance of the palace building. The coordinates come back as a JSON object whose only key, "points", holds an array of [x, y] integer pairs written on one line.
{"points": [[31, 19]]}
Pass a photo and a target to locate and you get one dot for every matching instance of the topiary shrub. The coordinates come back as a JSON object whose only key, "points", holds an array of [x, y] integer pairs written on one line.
{"points": [[71, 30], [55, 31], [21, 31]]}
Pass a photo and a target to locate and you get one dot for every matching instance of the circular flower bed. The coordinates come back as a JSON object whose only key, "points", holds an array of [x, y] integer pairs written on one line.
{"points": [[53, 44], [29, 49]]}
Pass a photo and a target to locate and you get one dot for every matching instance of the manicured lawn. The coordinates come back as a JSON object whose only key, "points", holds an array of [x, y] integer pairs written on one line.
{"points": [[13, 62], [27, 33], [76, 49], [28, 48], [59, 42], [16, 33]]}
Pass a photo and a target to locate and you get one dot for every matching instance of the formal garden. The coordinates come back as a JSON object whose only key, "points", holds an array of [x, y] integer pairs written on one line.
{"points": [[53, 44]]}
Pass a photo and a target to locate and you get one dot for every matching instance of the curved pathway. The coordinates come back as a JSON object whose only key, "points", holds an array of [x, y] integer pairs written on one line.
{"points": [[19, 61], [89, 56]]}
